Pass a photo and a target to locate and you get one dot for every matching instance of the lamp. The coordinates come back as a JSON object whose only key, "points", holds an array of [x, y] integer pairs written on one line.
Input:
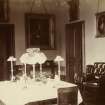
{"points": [[11, 59], [58, 59]]}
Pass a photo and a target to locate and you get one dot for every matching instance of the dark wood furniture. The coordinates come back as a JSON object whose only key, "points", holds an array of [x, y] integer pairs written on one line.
{"points": [[94, 84], [93, 94], [95, 72], [67, 96]]}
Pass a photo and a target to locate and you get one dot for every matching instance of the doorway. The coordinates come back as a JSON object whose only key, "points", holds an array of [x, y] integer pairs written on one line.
{"points": [[7, 48], [74, 50]]}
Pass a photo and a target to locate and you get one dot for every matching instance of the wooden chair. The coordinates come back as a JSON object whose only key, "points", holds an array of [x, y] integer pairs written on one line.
{"points": [[67, 96]]}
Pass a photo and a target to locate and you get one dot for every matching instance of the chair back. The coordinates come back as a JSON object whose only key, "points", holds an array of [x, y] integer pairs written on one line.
{"points": [[67, 96]]}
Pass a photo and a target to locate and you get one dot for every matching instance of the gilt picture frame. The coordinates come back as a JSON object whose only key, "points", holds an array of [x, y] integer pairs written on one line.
{"points": [[40, 30], [4, 11], [100, 25]]}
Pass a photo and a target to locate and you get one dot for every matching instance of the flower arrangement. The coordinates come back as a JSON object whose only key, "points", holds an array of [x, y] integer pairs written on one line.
{"points": [[33, 56]]}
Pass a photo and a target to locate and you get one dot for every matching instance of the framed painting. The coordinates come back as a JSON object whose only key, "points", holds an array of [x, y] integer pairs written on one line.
{"points": [[40, 30], [4, 10], [100, 24]]}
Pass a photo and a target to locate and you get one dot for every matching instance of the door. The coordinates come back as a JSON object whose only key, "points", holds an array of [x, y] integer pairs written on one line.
{"points": [[6, 49], [74, 50]]}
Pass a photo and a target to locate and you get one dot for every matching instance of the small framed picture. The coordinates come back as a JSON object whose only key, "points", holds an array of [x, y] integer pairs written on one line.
{"points": [[4, 10], [100, 24]]}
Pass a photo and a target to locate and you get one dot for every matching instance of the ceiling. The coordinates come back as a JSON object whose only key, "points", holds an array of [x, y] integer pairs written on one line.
{"points": [[38, 5]]}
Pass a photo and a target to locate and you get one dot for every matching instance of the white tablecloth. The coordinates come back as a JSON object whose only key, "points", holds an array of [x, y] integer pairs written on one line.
{"points": [[14, 93]]}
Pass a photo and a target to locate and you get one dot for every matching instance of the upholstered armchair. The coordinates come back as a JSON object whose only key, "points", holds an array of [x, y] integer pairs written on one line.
{"points": [[95, 72], [94, 84]]}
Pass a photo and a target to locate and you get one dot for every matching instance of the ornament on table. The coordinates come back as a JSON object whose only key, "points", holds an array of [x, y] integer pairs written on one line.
{"points": [[58, 59], [12, 59]]}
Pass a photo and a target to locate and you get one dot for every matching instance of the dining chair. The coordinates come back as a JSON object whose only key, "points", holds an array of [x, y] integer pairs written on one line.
{"points": [[67, 96]]}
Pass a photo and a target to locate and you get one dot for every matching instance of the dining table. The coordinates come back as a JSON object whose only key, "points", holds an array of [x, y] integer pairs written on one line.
{"points": [[21, 93]]}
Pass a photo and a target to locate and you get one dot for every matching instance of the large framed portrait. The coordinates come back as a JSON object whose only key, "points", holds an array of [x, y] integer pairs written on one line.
{"points": [[40, 30], [100, 24], [4, 10]]}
